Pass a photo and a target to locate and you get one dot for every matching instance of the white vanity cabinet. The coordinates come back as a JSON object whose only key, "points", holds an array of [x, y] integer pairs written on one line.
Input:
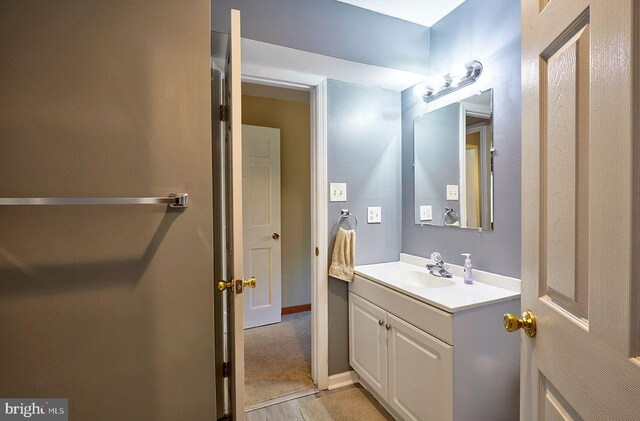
{"points": [[406, 367], [426, 364]]}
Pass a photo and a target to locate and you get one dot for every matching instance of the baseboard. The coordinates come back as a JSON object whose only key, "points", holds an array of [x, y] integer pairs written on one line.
{"points": [[296, 309], [343, 379]]}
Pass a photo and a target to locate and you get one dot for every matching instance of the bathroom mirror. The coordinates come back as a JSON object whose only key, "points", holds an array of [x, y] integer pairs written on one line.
{"points": [[453, 164]]}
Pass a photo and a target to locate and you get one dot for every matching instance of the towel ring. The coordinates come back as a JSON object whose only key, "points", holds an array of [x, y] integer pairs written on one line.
{"points": [[345, 214], [451, 215]]}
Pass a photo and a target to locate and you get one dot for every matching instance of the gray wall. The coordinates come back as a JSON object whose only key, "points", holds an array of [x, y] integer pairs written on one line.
{"points": [[108, 306], [490, 32], [364, 152], [437, 160], [330, 28]]}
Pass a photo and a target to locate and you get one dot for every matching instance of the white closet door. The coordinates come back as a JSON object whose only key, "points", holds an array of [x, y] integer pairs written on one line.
{"points": [[262, 250]]}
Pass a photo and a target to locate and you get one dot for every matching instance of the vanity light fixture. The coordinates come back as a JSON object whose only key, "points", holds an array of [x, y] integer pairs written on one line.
{"points": [[441, 85]]}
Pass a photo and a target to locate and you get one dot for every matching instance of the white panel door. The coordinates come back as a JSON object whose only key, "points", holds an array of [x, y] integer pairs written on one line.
{"points": [[368, 343], [262, 250], [234, 219], [580, 210], [420, 373]]}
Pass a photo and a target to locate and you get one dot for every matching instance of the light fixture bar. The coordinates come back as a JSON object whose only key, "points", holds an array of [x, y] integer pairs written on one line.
{"points": [[474, 70]]}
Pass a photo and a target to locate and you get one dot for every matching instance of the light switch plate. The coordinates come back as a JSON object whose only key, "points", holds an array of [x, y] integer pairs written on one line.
{"points": [[338, 192], [452, 192], [374, 215], [426, 213]]}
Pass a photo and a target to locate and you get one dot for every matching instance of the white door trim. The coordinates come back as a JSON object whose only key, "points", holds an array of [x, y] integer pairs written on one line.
{"points": [[317, 86]]}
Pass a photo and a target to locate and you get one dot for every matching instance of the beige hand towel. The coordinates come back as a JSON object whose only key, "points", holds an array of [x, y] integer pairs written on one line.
{"points": [[344, 255]]}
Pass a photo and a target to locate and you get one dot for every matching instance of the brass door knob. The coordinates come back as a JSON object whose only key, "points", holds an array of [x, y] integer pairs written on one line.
{"points": [[380, 322], [222, 285], [246, 283], [249, 283], [387, 326], [527, 323], [275, 235]]}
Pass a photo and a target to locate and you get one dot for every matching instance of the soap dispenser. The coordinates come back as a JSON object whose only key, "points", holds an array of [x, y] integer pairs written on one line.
{"points": [[468, 277]]}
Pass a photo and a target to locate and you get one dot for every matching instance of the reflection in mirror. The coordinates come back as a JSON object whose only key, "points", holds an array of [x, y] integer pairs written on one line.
{"points": [[453, 164]]}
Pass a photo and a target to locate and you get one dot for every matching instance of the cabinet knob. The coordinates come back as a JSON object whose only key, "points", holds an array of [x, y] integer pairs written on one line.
{"points": [[380, 322], [388, 326]]}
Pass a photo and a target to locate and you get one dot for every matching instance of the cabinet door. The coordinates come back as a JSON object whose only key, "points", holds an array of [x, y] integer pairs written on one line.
{"points": [[420, 373], [368, 343]]}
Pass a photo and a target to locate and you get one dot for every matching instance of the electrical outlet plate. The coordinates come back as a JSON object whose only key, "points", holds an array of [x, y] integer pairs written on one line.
{"points": [[338, 192], [426, 213], [452, 192], [374, 215]]}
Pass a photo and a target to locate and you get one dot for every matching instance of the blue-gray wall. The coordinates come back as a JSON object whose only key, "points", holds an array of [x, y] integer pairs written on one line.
{"points": [[364, 152], [330, 28], [487, 30]]}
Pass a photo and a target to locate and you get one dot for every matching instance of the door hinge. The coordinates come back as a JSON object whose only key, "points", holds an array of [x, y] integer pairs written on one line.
{"points": [[222, 113], [226, 370], [317, 251]]}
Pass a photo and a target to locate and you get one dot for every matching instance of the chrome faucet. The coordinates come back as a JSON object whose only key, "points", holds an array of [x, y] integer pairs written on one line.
{"points": [[437, 269]]}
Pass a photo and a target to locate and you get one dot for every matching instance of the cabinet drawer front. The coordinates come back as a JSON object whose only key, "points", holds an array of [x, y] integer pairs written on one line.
{"points": [[368, 343], [420, 373], [428, 318]]}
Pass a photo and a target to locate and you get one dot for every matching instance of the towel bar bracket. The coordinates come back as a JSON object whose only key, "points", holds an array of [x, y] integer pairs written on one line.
{"points": [[180, 200]]}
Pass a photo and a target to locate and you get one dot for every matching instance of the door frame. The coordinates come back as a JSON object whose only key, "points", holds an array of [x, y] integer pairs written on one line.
{"points": [[473, 110], [317, 87]]}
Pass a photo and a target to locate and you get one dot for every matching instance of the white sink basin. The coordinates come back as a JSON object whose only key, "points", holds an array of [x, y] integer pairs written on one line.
{"points": [[420, 279]]}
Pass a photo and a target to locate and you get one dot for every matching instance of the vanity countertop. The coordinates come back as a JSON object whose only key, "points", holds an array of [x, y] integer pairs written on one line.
{"points": [[453, 298]]}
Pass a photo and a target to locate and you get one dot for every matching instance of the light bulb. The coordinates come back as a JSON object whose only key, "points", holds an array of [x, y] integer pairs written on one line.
{"points": [[459, 73], [438, 81], [419, 89]]}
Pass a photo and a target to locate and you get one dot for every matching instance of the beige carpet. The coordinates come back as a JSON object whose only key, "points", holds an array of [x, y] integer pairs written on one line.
{"points": [[353, 404], [278, 359]]}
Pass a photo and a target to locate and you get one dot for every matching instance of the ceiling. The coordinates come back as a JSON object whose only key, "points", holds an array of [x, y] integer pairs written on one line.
{"points": [[422, 12]]}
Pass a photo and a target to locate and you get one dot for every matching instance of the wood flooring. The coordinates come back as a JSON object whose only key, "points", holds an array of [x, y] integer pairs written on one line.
{"points": [[290, 410]]}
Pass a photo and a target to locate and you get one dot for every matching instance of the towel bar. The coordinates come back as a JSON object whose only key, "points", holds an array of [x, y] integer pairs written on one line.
{"points": [[174, 200]]}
